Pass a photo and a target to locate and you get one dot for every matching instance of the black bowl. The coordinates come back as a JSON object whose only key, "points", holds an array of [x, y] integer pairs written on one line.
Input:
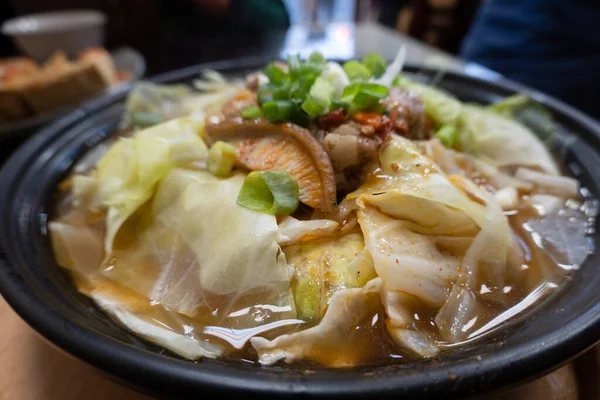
{"points": [[561, 327]]}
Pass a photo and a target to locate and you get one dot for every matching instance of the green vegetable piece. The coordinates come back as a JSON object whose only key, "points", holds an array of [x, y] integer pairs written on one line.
{"points": [[281, 93], [271, 192], [440, 106], [221, 158], [300, 88], [364, 96], [316, 58], [277, 111], [357, 71], [312, 108], [509, 105], [276, 75], [397, 81], [448, 135], [319, 98], [311, 68], [527, 111], [375, 63], [145, 119], [294, 65], [299, 117], [251, 112], [365, 100], [336, 104], [265, 92]]}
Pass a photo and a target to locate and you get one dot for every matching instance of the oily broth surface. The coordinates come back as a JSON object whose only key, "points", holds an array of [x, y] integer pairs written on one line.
{"points": [[369, 344]]}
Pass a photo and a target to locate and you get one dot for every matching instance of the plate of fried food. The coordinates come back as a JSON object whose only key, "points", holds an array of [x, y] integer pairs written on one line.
{"points": [[33, 94]]}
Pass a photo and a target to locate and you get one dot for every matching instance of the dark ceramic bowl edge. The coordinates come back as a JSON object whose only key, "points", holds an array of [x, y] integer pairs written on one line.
{"points": [[103, 352]]}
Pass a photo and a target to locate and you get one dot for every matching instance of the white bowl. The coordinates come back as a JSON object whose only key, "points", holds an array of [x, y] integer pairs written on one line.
{"points": [[40, 35]]}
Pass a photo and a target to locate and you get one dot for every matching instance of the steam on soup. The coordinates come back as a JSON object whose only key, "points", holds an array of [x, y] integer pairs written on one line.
{"points": [[339, 215]]}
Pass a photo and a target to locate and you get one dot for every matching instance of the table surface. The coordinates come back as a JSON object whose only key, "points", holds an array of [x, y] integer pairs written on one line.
{"points": [[32, 369]]}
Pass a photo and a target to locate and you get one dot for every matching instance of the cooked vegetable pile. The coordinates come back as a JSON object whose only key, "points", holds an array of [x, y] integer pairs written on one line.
{"points": [[337, 214]]}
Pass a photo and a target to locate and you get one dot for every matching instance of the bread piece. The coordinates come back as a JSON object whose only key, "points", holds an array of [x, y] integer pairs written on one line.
{"points": [[63, 83], [15, 72], [27, 89], [103, 61]]}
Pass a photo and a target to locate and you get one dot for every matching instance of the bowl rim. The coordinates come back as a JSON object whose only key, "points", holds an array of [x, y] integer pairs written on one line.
{"points": [[142, 367], [77, 18]]}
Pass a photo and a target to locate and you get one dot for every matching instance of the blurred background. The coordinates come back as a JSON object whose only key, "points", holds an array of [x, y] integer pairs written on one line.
{"points": [[551, 45]]}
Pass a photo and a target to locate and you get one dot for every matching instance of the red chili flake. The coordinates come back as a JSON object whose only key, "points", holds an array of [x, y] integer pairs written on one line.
{"points": [[332, 120], [367, 130], [397, 262], [381, 124], [395, 166]]}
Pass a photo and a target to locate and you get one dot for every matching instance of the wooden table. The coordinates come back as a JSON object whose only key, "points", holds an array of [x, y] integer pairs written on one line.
{"points": [[31, 369]]}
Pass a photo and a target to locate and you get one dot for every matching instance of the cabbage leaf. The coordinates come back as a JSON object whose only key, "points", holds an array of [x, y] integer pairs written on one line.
{"points": [[347, 309], [412, 188], [196, 250], [127, 175], [502, 142], [323, 267]]}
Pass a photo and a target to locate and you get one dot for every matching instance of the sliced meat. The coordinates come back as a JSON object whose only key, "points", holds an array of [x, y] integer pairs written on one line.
{"points": [[347, 147], [406, 107], [262, 146], [352, 154]]}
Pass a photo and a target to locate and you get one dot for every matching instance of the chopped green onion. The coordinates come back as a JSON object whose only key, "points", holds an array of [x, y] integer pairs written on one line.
{"points": [[309, 68], [312, 108], [275, 74], [265, 92], [316, 58], [364, 96], [251, 112], [301, 87], [276, 111], [281, 93], [365, 99], [340, 104], [272, 192], [294, 64], [375, 63], [375, 89], [349, 92], [144, 119], [322, 92], [448, 135], [299, 117], [357, 71], [221, 158]]}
